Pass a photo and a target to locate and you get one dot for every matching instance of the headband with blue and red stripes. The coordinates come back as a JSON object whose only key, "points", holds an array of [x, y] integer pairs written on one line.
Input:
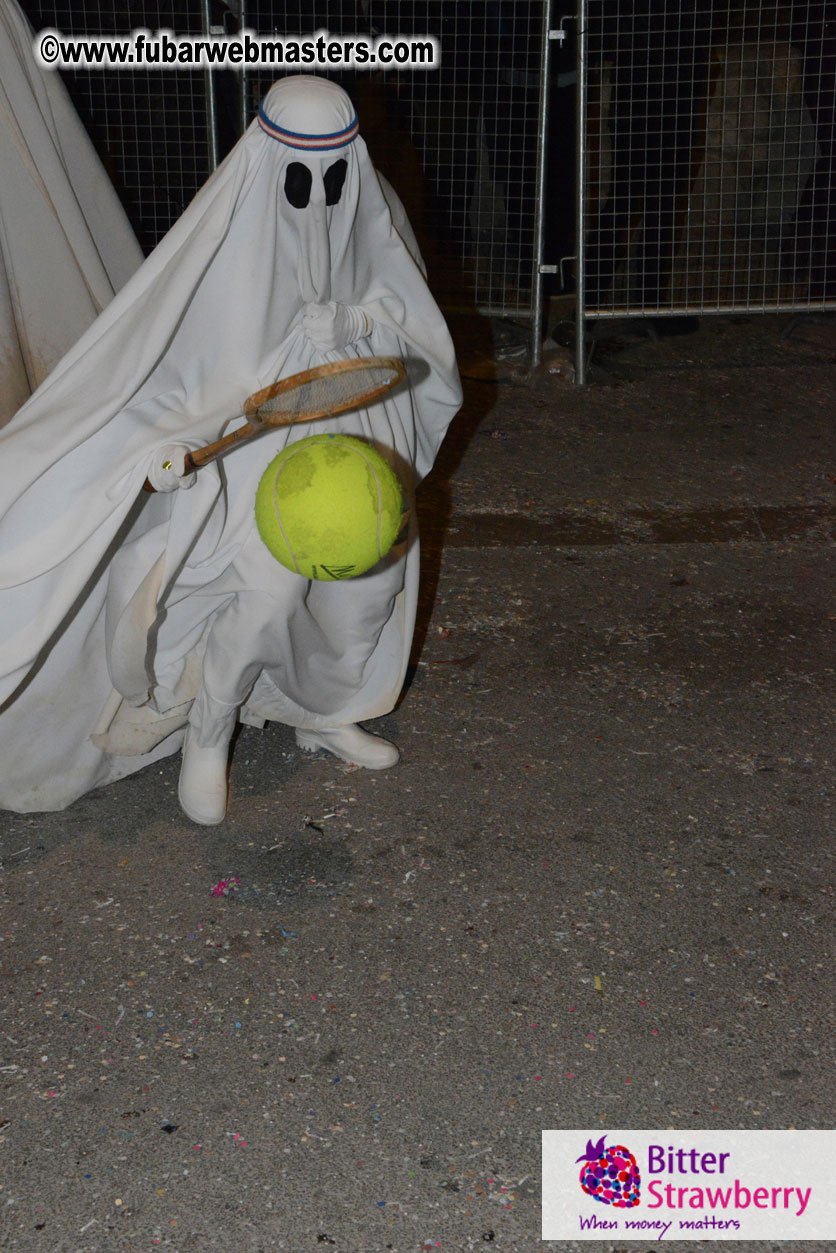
{"points": [[312, 143]]}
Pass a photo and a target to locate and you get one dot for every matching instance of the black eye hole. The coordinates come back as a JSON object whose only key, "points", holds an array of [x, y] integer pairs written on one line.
{"points": [[297, 184], [334, 178]]}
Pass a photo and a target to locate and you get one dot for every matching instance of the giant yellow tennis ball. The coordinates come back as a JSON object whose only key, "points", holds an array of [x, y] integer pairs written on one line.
{"points": [[329, 507]]}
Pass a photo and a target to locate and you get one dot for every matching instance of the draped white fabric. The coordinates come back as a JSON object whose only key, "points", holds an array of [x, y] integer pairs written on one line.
{"points": [[65, 242], [115, 606]]}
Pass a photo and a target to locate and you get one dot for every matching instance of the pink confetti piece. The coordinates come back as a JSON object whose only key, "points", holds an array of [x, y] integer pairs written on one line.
{"points": [[225, 886]]}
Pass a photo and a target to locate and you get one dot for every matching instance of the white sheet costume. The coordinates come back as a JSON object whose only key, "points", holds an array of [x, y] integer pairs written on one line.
{"points": [[118, 609], [65, 243]]}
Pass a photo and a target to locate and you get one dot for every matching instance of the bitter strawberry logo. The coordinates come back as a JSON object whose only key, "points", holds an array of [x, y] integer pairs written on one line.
{"points": [[610, 1175]]}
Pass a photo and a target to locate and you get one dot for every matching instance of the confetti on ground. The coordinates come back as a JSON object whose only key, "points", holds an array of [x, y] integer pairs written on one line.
{"points": [[226, 887]]}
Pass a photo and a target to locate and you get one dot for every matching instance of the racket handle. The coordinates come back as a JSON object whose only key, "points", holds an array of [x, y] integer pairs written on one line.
{"points": [[202, 456]]}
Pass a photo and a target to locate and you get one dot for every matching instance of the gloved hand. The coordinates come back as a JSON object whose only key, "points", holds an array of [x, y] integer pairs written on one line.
{"points": [[334, 325], [167, 469]]}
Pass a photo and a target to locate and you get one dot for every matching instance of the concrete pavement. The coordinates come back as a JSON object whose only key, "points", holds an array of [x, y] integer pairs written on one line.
{"points": [[597, 892]]}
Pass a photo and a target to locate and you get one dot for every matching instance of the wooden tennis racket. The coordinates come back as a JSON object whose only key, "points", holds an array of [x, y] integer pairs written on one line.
{"points": [[322, 392]]}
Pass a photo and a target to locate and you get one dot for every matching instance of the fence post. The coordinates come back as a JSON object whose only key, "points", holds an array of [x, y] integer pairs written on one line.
{"points": [[580, 216], [245, 89], [211, 110], [540, 202]]}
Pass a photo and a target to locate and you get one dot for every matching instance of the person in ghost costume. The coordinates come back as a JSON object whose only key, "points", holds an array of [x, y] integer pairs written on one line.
{"points": [[65, 243], [127, 619]]}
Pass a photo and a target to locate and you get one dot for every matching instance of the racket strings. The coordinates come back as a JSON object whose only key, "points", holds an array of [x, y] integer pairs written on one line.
{"points": [[326, 394]]}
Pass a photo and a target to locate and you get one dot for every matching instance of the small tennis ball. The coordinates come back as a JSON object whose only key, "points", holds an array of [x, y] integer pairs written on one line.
{"points": [[329, 507]]}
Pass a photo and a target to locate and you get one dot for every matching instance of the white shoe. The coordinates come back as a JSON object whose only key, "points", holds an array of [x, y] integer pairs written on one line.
{"points": [[202, 790], [351, 744]]}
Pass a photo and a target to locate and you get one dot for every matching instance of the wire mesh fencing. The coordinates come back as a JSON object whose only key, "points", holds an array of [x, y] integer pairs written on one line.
{"points": [[458, 143], [707, 146], [150, 128]]}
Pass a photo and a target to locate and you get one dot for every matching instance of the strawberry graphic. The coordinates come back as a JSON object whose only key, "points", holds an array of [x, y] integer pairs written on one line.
{"points": [[610, 1175]]}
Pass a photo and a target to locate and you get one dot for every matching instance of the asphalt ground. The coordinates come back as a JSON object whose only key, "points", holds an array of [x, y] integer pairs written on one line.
{"points": [[596, 892]]}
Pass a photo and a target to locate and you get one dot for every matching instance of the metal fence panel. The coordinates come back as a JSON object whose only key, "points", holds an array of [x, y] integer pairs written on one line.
{"points": [[460, 144], [708, 140], [150, 128]]}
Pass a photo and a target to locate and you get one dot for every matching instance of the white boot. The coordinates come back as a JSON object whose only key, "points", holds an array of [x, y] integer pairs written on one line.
{"points": [[352, 744], [203, 781]]}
